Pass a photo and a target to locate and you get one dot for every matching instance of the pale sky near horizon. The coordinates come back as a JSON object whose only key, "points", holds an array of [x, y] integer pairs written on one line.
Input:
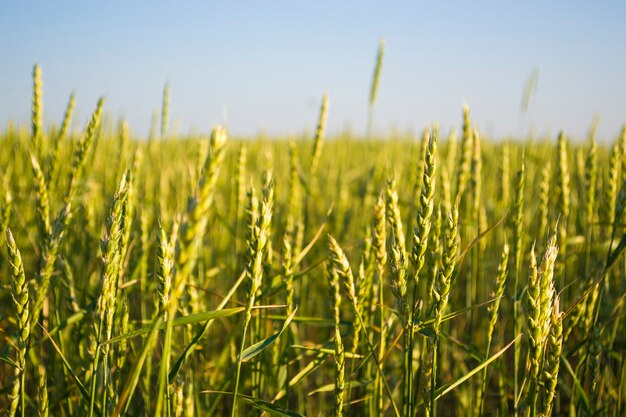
{"points": [[266, 64]]}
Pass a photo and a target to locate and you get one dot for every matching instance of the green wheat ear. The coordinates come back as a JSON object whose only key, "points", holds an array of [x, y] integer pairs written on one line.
{"points": [[340, 263], [539, 304], [504, 172], [165, 111], [21, 299], [563, 179], [42, 392], [552, 358], [42, 200], [165, 266], [333, 280], [621, 142], [374, 86], [467, 146], [37, 111], [320, 134], [198, 205], [67, 117], [398, 260], [425, 210], [377, 71], [591, 178], [609, 191], [58, 141], [444, 279]]}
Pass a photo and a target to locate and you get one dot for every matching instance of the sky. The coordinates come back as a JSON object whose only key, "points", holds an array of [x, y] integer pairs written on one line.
{"points": [[263, 66]]}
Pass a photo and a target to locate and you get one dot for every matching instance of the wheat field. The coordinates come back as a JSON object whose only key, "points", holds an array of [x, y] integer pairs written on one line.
{"points": [[440, 275]]}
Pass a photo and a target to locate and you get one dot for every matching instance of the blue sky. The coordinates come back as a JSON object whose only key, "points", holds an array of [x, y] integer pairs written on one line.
{"points": [[266, 64]]}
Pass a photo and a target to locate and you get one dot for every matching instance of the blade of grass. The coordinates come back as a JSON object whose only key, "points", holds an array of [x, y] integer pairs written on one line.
{"points": [[331, 387], [440, 392], [259, 347], [180, 321], [133, 376], [79, 384], [259, 404], [196, 340]]}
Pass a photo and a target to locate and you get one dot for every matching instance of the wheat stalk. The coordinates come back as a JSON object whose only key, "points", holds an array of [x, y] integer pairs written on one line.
{"points": [[333, 281], [494, 309], [259, 223], [50, 250], [441, 295], [105, 308], [341, 267], [518, 247]]}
